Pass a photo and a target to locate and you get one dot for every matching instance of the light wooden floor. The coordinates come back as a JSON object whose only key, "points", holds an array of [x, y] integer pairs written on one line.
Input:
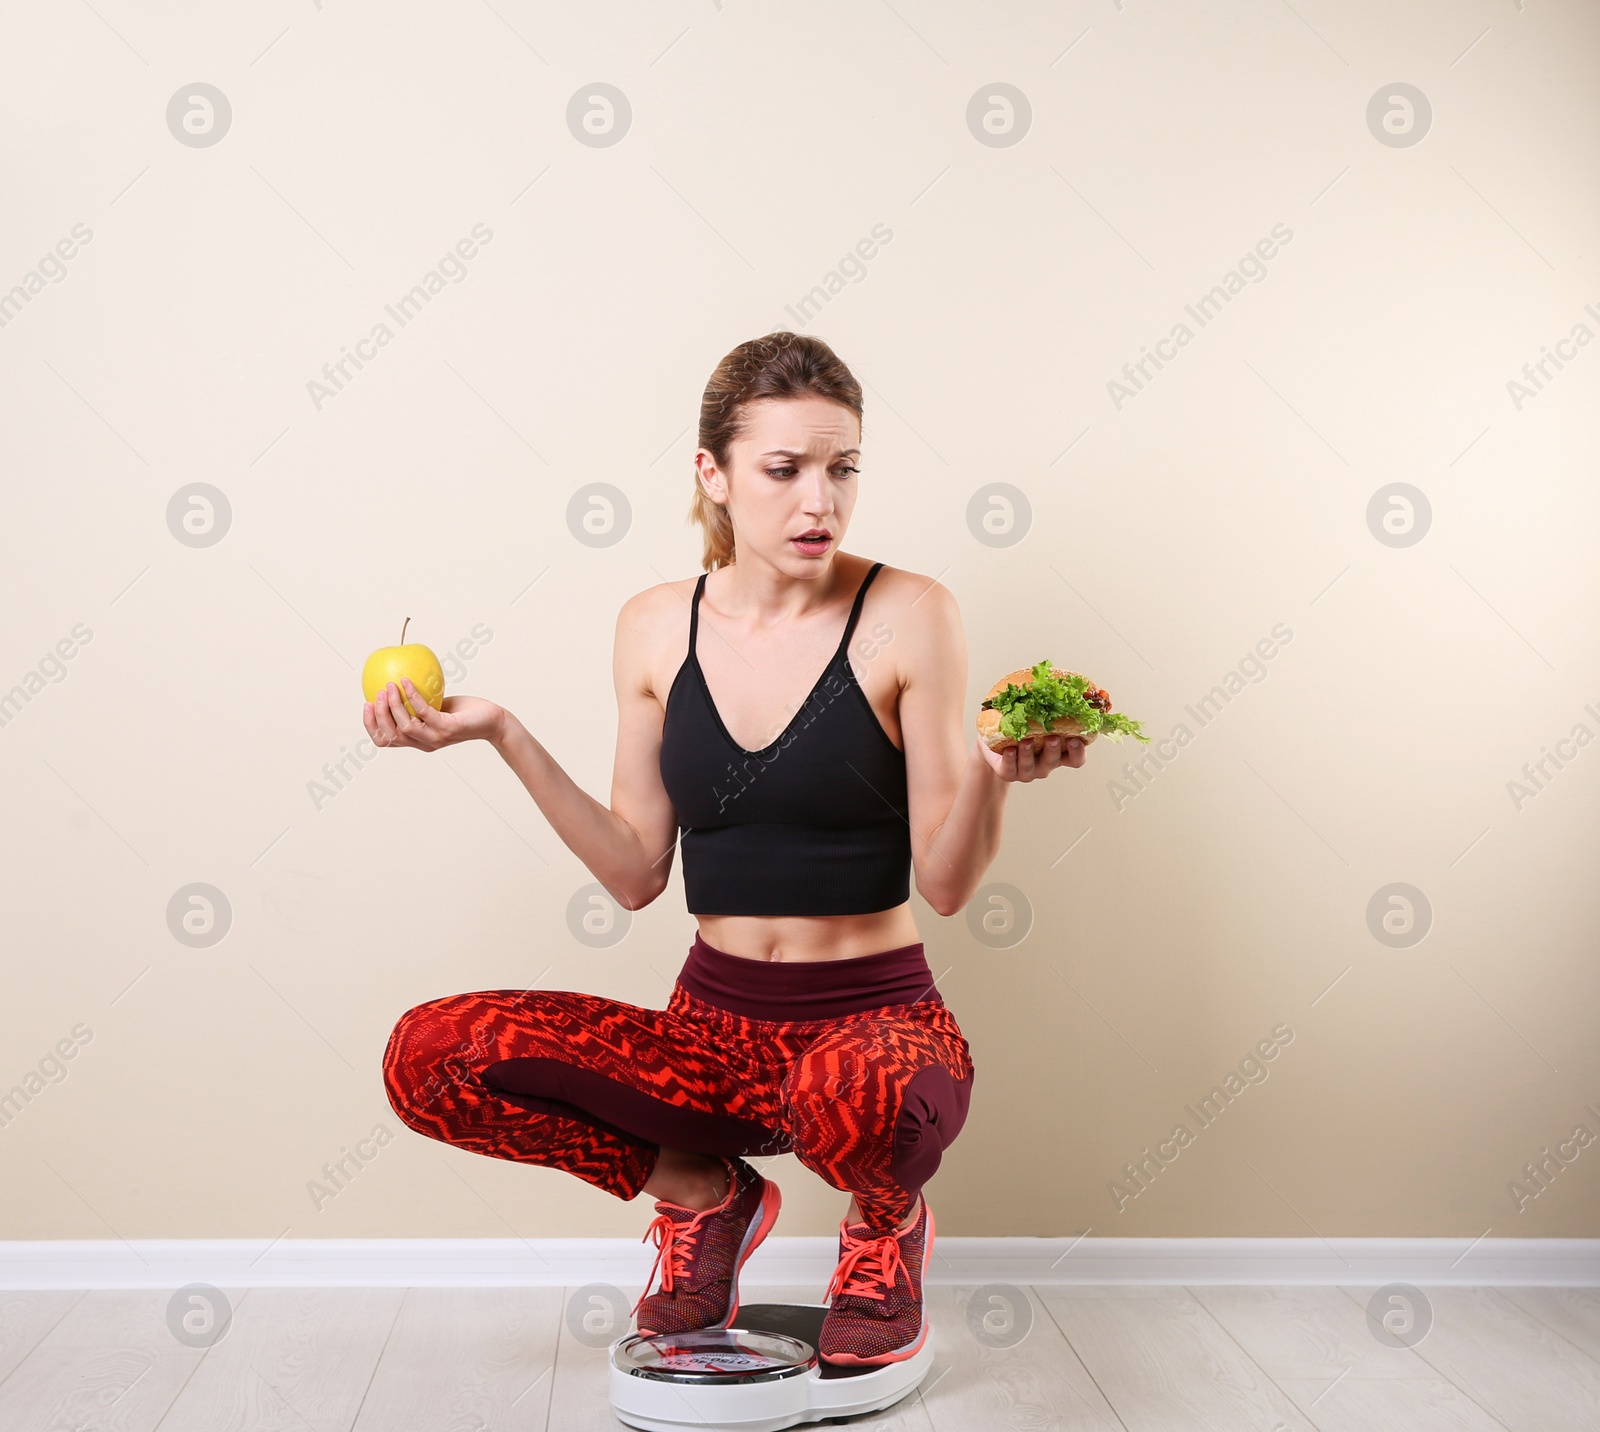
{"points": [[1202, 1359]]}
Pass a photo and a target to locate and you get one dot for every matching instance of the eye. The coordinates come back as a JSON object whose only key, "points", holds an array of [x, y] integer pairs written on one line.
{"points": [[788, 471]]}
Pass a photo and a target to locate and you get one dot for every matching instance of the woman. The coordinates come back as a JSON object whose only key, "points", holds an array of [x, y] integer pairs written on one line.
{"points": [[805, 1019]]}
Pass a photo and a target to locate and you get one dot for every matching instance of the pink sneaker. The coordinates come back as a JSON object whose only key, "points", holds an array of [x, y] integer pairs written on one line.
{"points": [[699, 1254], [875, 1298]]}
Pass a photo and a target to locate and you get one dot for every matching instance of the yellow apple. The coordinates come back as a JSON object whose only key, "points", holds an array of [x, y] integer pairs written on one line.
{"points": [[390, 663]]}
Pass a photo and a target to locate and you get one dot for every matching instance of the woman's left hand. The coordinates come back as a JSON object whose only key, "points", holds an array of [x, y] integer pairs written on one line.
{"points": [[1033, 760]]}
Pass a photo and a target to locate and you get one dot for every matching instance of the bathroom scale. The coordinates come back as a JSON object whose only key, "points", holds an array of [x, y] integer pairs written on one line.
{"points": [[759, 1376]]}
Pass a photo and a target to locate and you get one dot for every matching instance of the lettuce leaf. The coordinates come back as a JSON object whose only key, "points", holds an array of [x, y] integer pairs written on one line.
{"points": [[1047, 698]]}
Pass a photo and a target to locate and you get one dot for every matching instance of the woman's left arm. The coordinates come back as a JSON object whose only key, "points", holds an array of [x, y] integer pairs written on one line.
{"points": [[956, 788]]}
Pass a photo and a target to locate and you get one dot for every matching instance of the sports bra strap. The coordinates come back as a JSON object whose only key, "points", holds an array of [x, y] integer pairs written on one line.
{"points": [[855, 611], [694, 610]]}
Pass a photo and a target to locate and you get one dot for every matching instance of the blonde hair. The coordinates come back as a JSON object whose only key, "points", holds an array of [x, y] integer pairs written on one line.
{"points": [[779, 365]]}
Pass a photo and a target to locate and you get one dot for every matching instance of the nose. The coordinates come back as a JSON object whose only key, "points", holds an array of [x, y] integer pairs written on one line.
{"points": [[816, 495]]}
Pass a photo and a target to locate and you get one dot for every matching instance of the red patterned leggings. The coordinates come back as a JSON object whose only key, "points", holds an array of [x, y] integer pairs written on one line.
{"points": [[868, 1100]]}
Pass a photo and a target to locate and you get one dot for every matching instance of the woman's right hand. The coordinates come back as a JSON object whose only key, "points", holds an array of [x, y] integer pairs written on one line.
{"points": [[464, 718]]}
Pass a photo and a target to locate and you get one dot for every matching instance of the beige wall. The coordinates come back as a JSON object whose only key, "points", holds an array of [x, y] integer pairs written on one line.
{"points": [[1170, 533]]}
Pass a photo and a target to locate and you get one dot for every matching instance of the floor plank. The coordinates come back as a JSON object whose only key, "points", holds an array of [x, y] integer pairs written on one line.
{"points": [[1165, 1364], [579, 1400], [1306, 1333], [1144, 1359], [1388, 1404], [25, 1318], [466, 1359], [293, 1358], [1507, 1362], [1574, 1313], [1039, 1382], [110, 1364]]}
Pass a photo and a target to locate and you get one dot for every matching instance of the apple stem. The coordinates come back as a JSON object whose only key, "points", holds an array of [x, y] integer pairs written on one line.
{"points": [[403, 631]]}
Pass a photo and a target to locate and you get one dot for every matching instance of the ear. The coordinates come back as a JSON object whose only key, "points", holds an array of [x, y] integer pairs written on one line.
{"points": [[710, 476]]}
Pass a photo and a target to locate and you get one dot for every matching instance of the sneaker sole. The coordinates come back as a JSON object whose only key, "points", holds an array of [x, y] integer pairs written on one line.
{"points": [[849, 1359]]}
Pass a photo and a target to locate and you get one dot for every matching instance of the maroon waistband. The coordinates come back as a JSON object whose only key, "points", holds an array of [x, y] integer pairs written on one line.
{"points": [[797, 990]]}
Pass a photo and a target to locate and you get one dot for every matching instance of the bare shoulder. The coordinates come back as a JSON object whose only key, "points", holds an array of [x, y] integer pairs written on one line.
{"points": [[919, 612], [652, 637]]}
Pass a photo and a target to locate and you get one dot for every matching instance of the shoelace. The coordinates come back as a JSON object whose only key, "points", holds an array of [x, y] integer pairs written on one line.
{"points": [[868, 1268], [674, 1248]]}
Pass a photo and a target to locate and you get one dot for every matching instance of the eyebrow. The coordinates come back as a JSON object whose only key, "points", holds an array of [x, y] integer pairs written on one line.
{"points": [[786, 452]]}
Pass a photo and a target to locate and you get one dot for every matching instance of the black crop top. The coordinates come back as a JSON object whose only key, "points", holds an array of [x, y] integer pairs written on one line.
{"points": [[816, 823]]}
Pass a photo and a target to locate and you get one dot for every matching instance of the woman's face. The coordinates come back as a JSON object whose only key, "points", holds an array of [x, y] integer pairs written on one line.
{"points": [[792, 472]]}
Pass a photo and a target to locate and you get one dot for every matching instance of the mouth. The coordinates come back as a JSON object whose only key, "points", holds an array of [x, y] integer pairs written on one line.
{"points": [[815, 540]]}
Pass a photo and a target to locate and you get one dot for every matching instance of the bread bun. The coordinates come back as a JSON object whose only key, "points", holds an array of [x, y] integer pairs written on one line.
{"points": [[989, 718]]}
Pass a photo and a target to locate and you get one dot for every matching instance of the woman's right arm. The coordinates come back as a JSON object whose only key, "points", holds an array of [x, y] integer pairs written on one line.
{"points": [[628, 846]]}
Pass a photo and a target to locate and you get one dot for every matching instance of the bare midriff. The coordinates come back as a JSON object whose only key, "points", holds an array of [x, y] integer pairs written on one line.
{"points": [[810, 937]]}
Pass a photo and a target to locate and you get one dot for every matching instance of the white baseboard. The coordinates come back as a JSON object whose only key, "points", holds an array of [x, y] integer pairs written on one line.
{"points": [[623, 1262]]}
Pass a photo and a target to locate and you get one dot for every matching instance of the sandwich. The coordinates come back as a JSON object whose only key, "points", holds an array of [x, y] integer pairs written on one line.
{"points": [[1028, 705]]}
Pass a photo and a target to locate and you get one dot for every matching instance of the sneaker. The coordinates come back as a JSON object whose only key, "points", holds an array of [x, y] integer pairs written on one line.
{"points": [[875, 1299], [699, 1254]]}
